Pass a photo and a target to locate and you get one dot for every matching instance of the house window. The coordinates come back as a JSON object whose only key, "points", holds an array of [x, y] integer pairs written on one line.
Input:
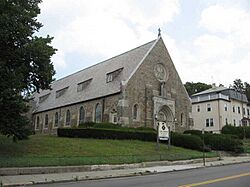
{"points": [[234, 122], [225, 107], [198, 108], [98, 113], [210, 122], [59, 93], [244, 111], [248, 112], [56, 119], [226, 121], [135, 112], [207, 122], [68, 118], [81, 115], [238, 109], [82, 85], [208, 107], [37, 122], [112, 75], [46, 121], [233, 109]]}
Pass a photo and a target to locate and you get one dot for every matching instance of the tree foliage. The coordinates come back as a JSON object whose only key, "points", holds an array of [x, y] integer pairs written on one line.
{"points": [[241, 87], [193, 88], [25, 63]]}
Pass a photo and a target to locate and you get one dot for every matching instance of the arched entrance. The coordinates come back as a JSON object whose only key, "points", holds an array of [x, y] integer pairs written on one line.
{"points": [[165, 114]]}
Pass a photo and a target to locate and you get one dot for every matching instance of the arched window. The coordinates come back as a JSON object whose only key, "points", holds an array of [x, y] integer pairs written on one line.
{"points": [[46, 121], [56, 119], [135, 112], [98, 113], [68, 117], [81, 115], [182, 120], [37, 122]]}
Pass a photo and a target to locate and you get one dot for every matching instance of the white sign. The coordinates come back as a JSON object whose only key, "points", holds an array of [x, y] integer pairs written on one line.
{"points": [[163, 131]]}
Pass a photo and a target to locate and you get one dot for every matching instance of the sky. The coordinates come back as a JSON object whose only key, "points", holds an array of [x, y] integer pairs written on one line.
{"points": [[208, 40]]}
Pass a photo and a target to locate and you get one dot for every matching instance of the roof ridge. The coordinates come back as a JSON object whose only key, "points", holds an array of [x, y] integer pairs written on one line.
{"points": [[104, 61]]}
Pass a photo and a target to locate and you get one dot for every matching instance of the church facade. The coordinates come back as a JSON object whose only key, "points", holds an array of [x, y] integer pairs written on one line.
{"points": [[137, 88]]}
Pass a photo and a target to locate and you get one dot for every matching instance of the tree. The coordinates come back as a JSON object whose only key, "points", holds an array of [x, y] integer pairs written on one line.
{"points": [[247, 91], [193, 88], [241, 87], [25, 64], [238, 85]]}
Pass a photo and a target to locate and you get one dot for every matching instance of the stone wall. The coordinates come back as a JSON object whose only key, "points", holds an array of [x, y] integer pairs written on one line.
{"points": [[143, 86], [108, 104]]}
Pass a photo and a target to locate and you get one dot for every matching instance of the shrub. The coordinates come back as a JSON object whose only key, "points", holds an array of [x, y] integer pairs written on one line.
{"points": [[187, 141], [106, 125], [86, 125], [223, 142], [193, 132], [146, 129], [106, 134], [238, 131]]}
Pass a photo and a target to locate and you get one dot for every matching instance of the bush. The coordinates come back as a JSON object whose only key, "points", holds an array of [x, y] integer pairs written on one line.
{"points": [[106, 125], [146, 129], [193, 132], [86, 124], [223, 142], [187, 141], [238, 131], [106, 134]]}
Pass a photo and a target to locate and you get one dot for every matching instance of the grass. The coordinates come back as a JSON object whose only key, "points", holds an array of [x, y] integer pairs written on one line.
{"points": [[246, 145], [45, 150]]}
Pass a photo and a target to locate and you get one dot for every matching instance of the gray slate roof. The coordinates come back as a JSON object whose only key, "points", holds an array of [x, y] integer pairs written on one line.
{"points": [[211, 90], [226, 91], [98, 87]]}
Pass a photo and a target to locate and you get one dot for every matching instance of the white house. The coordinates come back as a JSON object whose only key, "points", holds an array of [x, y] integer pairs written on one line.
{"points": [[218, 106]]}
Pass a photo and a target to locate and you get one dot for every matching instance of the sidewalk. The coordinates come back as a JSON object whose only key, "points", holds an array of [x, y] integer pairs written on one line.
{"points": [[109, 172]]}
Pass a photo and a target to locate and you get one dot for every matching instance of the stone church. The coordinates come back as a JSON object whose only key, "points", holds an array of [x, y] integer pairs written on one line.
{"points": [[137, 88]]}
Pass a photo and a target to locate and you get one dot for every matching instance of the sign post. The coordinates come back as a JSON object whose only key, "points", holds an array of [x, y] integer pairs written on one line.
{"points": [[163, 132]]}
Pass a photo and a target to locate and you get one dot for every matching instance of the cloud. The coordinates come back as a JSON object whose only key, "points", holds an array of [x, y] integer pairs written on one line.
{"points": [[221, 53], [103, 28]]}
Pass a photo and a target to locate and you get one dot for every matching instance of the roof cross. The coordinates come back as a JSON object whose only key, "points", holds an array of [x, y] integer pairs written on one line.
{"points": [[159, 32]]}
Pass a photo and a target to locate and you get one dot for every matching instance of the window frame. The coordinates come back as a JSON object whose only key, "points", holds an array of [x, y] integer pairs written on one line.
{"points": [[98, 117], [68, 118], [56, 120], [46, 121], [81, 115]]}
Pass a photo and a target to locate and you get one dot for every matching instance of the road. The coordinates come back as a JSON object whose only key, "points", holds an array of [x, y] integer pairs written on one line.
{"points": [[237, 175]]}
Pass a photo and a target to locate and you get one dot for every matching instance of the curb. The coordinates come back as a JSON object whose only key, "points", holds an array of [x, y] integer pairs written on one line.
{"points": [[131, 173], [87, 168]]}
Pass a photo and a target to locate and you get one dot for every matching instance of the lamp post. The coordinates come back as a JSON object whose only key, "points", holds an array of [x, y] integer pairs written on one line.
{"points": [[203, 149]]}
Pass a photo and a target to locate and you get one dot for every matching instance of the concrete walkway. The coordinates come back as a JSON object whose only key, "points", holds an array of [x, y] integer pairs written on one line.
{"points": [[109, 172]]}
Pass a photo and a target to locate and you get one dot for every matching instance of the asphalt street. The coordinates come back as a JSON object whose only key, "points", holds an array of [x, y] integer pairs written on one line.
{"points": [[236, 175]]}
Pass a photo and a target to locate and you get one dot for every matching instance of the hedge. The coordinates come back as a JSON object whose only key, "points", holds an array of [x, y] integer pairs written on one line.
{"points": [[241, 132], [181, 140], [106, 134], [223, 142], [193, 132], [187, 141]]}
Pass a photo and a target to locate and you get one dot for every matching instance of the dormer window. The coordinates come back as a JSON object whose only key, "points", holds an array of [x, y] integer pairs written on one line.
{"points": [[112, 75], [59, 93], [82, 85], [43, 98]]}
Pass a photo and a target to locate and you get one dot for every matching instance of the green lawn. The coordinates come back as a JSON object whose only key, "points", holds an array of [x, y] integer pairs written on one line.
{"points": [[247, 145], [44, 150]]}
